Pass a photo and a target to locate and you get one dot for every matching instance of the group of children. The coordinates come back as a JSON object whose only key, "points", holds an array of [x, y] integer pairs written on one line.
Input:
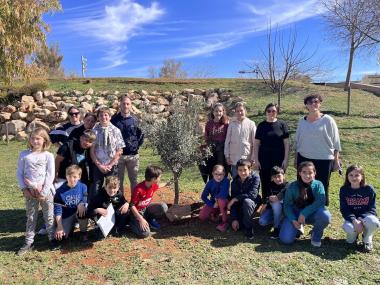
{"points": [[289, 207]]}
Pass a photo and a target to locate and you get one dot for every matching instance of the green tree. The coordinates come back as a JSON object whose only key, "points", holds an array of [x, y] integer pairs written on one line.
{"points": [[22, 32], [50, 60]]}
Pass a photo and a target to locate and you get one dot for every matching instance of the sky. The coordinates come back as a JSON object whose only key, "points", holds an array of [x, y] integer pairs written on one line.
{"points": [[218, 38]]}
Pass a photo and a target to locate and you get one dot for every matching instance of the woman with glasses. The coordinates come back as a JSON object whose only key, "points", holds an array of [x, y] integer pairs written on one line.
{"points": [[271, 147], [61, 134], [317, 140]]}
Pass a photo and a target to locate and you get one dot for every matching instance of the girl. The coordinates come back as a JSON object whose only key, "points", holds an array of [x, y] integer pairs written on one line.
{"points": [[245, 197], [239, 139], [272, 210], [35, 175], [215, 136], [304, 203], [271, 147], [215, 196], [358, 207]]}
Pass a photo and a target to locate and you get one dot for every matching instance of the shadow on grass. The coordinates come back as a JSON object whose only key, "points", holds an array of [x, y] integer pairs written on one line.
{"points": [[12, 221]]}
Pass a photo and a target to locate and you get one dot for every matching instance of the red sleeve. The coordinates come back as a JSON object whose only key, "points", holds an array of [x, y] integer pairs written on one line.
{"points": [[135, 195]]}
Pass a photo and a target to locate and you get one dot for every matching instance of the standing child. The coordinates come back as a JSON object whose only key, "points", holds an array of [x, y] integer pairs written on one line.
{"points": [[358, 207], [111, 194], [245, 197], [272, 212], [70, 204], [35, 175], [215, 196], [143, 212]]}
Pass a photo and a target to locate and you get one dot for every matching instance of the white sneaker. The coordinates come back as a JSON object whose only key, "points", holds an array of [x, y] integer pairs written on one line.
{"points": [[42, 232], [316, 243]]}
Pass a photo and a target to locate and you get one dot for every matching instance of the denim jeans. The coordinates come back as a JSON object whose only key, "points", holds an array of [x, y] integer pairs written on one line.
{"points": [[272, 215], [371, 224], [320, 219]]}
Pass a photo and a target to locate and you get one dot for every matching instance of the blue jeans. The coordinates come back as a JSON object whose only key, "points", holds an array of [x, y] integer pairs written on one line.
{"points": [[272, 216], [320, 219]]}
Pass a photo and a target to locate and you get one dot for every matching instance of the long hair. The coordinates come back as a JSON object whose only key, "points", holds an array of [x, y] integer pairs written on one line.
{"points": [[42, 133], [357, 168], [301, 184], [224, 118]]}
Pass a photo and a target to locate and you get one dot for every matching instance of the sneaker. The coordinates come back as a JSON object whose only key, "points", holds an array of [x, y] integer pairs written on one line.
{"points": [[55, 245], [249, 233], [42, 231], [83, 238], [275, 234], [76, 226], [154, 224], [316, 243], [368, 247], [25, 248], [222, 227]]}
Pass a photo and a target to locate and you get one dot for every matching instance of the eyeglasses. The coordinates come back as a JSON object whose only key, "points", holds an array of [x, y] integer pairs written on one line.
{"points": [[271, 111], [315, 101], [74, 114], [218, 174]]}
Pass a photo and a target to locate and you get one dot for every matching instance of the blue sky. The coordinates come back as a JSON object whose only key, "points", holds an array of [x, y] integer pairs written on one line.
{"points": [[126, 37]]}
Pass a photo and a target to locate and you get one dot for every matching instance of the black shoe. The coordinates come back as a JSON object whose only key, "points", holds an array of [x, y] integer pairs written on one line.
{"points": [[275, 234], [25, 248], [55, 245], [249, 233]]}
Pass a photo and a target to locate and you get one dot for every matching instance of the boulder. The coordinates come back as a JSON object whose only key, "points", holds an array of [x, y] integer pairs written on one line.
{"points": [[193, 97], [78, 93], [9, 109], [115, 104], [116, 92], [19, 115], [49, 93], [55, 98], [156, 109], [57, 117], [37, 123], [87, 106], [198, 91], [21, 136], [144, 93], [27, 104], [137, 103], [38, 96], [50, 106], [30, 117], [16, 126], [5, 117], [135, 110], [163, 101], [112, 98], [90, 91], [187, 91], [10, 137], [211, 100], [41, 113]]}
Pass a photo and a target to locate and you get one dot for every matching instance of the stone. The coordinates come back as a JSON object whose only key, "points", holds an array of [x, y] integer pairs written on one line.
{"points": [[57, 117], [156, 109], [27, 104], [77, 93], [116, 93], [5, 117], [16, 126], [87, 106], [113, 111], [115, 104], [49, 93], [112, 97], [90, 91], [41, 113], [187, 91], [193, 97], [82, 99], [163, 101], [30, 117], [10, 137], [37, 123], [103, 93], [212, 100], [19, 115], [50, 106], [198, 91], [55, 98], [21, 136], [135, 111], [9, 109], [101, 102], [38, 96], [88, 97], [137, 102], [144, 93]]}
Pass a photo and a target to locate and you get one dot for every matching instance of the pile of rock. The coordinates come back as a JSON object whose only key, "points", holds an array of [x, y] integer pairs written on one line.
{"points": [[48, 108]]}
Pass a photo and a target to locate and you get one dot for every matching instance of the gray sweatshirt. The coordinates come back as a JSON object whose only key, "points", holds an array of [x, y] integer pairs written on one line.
{"points": [[38, 167]]}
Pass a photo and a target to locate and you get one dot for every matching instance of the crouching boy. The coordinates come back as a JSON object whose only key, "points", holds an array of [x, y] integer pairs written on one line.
{"points": [[143, 212], [70, 202], [110, 194]]}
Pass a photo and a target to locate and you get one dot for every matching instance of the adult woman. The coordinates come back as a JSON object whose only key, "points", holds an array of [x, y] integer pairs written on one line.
{"points": [[304, 203], [271, 146], [215, 136], [61, 134], [240, 138], [317, 140]]}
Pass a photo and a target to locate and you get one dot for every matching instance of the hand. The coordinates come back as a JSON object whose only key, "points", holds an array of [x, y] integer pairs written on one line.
{"points": [[273, 199], [216, 205], [262, 208], [59, 233], [358, 225], [102, 168], [124, 209], [27, 182], [235, 225], [301, 219], [284, 165], [27, 193], [102, 211], [231, 203], [296, 224], [81, 211], [144, 226]]}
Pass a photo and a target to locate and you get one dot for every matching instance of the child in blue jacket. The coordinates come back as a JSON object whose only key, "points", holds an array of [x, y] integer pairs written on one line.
{"points": [[215, 196]]}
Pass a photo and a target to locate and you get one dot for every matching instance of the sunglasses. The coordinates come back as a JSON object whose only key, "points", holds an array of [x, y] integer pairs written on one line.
{"points": [[74, 114], [271, 111]]}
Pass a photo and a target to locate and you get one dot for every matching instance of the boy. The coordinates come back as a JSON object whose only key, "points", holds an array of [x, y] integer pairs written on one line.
{"points": [[70, 202], [110, 194], [143, 212]]}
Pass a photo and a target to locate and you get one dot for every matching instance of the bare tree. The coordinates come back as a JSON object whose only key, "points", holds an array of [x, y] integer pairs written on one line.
{"points": [[283, 59], [172, 68], [152, 72], [203, 71], [49, 59], [354, 24]]}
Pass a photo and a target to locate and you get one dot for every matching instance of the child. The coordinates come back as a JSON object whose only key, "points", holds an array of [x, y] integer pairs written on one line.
{"points": [[35, 175], [217, 188], [239, 139], [143, 212], [111, 194], [272, 210], [304, 203], [70, 204], [358, 207], [245, 197]]}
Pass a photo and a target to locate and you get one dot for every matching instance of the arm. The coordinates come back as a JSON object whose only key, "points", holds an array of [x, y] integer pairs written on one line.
{"points": [[59, 232], [256, 148], [286, 154], [227, 145], [58, 161], [252, 189], [372, 203], [206, 193], [50, 173], [288, 202], [142, 222], [224, 189], [345, 210], [252, 141], [319, 199], [20, 171]]}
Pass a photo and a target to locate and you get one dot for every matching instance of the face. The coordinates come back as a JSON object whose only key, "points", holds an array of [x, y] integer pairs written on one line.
{"points": [[240, 113], [243, 172], [85, 143], [156, 180], [126, 106], [74, 115], [307, 174], [313, 105], [218, 174], [89, 122], [218, 113], [72, 179], [271, 113], [355, 177], [37, 142], [111, 191], [104, 118], [278, 178]]}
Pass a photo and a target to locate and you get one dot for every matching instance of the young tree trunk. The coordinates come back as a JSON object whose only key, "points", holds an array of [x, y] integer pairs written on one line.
{"points": [[176, 188], [279, 100], [349, 69]]}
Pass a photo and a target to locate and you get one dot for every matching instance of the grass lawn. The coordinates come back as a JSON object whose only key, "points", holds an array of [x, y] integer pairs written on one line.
{"points": [[194, 253]]}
